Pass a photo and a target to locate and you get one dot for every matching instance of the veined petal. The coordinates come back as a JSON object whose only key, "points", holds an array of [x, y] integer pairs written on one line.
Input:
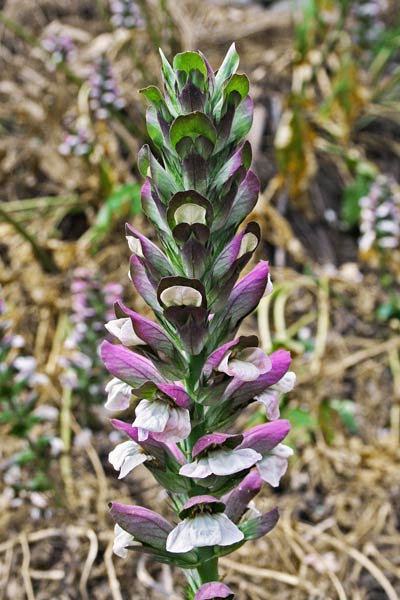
{"points": [[270, 400], [122, 540], [249, 242], [181, 295], [198, 469], [286, 383], [178, 426], [230, 533], [125, 457], [152, 415], [178, 539], [227, 462], [190, 213], [204, 531], [123, 330], [119, 395], [134, 245], [273, 466], [245, 371]]}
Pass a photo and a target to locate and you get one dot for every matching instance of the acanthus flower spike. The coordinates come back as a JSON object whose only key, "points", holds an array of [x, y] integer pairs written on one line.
{"points": [[186, 377]]}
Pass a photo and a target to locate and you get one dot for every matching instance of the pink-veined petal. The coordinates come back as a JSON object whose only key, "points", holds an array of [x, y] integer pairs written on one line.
{"points": [[198, 469], [227, 462]]}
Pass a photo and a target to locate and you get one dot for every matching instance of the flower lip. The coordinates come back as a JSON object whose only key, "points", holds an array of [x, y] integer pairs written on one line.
{"points": [[177, 213], [199, 504], [213, 441], [214, 590], [181, 292]]}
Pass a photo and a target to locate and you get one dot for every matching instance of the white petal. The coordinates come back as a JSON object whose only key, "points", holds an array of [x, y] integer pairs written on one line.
{"points": [[123, 330], [270, 400], [181, 295], [272, 468], [135, 245], [226, 462], [268, 288], [125, 457], [178, 539], [286, 383], [230, 533], [152, 415], [198, 469], [245, 371], [247, 365], [119, 395], [248, 244], [282, 450], [205, 531], [178, 426], [190, 213], [122, 539]]}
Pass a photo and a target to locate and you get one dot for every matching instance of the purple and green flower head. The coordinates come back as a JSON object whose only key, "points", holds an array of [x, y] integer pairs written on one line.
{"points": [[183, 378]]}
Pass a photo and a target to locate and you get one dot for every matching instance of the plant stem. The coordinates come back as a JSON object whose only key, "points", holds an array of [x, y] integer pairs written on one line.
{"points": [[208, 571]]}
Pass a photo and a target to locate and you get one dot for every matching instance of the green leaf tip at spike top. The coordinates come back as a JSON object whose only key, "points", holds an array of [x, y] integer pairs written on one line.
{"points": [[186, 376]]}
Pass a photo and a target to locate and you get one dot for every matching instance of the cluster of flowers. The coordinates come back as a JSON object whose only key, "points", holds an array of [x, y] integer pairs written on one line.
{"points": [[60, 47], [191, 375], [104, 96], [380, 216], [92, 303], [79, 141], [126, 13], [20, 413]]}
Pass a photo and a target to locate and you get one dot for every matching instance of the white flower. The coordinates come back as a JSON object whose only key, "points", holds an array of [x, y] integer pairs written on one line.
{"points": [[123, 330], [119, 394], [166, 423], [203, 530], [190, 213], [127, 456], [135, 245], [248, 244], [181, 295], [122, 539], [221, 462], [246, 364], [270, 398], [274, 464]]}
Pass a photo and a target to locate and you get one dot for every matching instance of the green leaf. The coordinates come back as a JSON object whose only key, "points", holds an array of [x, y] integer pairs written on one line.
{"points": [[191, 127], [228, 68], [238, 87], [169, 79], [242, 121], [154, 95], [154, 128], [144, 160], [190, 61]]}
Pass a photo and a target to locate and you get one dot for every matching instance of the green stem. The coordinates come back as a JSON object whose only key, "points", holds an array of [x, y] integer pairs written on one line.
{"points": [[44, 258], [208, 571]]}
